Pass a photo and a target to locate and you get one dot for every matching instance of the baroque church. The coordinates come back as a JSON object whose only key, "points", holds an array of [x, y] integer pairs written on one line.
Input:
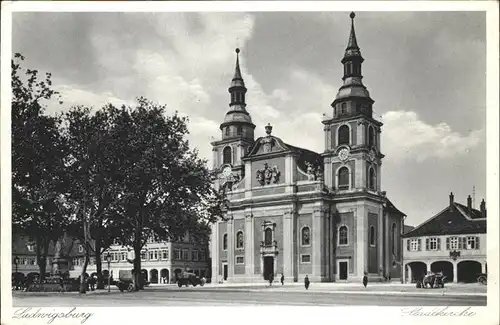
{"points": [[296, 212]]}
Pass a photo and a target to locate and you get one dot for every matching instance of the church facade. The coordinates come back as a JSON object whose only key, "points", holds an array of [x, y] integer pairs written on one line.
{"points": [[296, 212]]}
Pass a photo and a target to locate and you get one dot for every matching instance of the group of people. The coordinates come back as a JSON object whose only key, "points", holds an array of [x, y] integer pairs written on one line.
{"points": [[307, 282]]}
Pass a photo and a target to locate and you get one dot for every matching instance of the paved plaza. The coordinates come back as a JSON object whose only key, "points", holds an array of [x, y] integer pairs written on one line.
{"points": [[243, 295]]}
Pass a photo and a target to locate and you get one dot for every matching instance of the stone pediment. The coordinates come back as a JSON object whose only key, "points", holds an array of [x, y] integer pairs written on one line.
{"points": [[266, 145]]}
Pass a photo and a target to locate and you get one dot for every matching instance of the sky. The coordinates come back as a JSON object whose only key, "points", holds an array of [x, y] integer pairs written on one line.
{"points": [[426, 72]]}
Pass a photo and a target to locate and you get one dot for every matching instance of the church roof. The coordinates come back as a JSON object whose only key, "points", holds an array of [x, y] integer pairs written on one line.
{"points": [[390, 207], [455, 219]]}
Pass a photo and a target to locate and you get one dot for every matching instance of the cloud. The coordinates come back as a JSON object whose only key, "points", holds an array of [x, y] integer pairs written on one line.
{"points": [[405, 136]]}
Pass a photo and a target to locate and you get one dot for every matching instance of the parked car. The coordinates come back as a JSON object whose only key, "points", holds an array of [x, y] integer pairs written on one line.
{"points": [[126, 280], [483, 278], [434, 280], [188, 278]]}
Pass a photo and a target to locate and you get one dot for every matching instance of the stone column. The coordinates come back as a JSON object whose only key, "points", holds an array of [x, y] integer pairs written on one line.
{"points": [[403, 274], [428, 266], [316, 243], [215, 157], [455, 272], [288, 244], [214, 253], [261, 265], [249, 241], [410, 276], [230, 248]]}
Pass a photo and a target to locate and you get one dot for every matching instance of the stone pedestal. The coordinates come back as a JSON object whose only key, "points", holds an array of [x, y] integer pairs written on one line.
{"points": [[60, 265]]}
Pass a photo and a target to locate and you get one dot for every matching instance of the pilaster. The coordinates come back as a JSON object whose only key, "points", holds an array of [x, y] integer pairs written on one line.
{"points": [[380, 241], [249, 247], [248, 179], [288, 248], [361, 240], [316, 243], [230, 248], [455, 271], [215, 253], [387, 247]]}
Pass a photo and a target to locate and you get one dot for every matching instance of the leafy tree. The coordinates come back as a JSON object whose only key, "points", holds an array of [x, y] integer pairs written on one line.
{"points": [[95, 178], [38, 151], [167, 189]]}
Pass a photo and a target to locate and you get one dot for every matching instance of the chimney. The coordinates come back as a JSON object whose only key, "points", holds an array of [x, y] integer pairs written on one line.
{"points": [[469, 203], [451, 201], [483, 209]]}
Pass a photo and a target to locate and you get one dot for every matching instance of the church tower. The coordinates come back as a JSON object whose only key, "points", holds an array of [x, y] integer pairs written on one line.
{"points": [[352, 137], [237, 134], [352, 164]]}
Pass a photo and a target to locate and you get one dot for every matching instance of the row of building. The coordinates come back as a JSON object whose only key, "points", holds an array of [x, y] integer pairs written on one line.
{"points": [[296, 212]]}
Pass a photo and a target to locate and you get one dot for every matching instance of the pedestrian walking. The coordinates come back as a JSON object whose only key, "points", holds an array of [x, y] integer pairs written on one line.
{"points": [[365, 280], [271, 278], [306, 282], [282, 279]]}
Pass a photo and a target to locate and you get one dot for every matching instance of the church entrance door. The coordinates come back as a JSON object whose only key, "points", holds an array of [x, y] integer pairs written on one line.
{"points": [[225, 271], [343, 270], [268, 267]]}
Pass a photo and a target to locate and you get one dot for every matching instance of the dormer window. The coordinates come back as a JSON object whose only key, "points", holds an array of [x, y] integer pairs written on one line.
{"points": [[239, 130]]}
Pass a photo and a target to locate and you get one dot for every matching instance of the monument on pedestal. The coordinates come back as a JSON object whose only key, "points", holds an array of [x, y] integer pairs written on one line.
{"points": [[60, 263]]}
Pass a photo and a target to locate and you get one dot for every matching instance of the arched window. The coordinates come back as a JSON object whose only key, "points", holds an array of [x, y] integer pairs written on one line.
{"points": [[343, 134], [306, 236], [343, 238], [239, 239], [226, 154], [343, 108], [394, 238], [343, 178], [372, 236], [371, 136], [372, 179], [224, 242], [239, 130], [268, 237]]}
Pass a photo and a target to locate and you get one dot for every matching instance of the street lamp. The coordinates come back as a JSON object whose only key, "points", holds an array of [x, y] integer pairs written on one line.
{"points": [[108, 259]]}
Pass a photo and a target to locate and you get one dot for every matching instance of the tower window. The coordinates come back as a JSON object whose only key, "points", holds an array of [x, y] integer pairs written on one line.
{"points": [[343, 178], [343, 134], [372, 180], [372, 236], [239, 130], [226, 155], [343, 108], [239, 239], [371, 136], [227, 131], [343, 238], [306, 236], [224, 242]]}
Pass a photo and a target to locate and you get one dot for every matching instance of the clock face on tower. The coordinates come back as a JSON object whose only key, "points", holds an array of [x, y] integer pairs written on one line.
{"points": [[343, 154], [226, 172]]}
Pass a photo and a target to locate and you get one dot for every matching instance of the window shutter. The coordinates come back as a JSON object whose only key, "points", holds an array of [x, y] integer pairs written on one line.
{"points": [[427, 244], [464, 242], [408, 244], [447, 244], [439, 244], [459, 242], [419, 241], [477, 242]]}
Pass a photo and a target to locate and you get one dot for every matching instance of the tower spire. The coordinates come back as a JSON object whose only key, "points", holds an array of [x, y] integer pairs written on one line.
{"points": [[237, 71], [352, 37]]}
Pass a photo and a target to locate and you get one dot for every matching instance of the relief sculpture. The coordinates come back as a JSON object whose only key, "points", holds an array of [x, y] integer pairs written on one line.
{"points": [[268, 175]]}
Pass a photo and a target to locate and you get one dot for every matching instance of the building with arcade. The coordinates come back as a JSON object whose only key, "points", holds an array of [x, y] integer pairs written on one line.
{"points": [[453, 242]]}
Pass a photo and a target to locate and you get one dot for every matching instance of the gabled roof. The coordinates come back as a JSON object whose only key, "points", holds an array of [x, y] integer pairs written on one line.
{"points": [[407, 228], [452, 220]]}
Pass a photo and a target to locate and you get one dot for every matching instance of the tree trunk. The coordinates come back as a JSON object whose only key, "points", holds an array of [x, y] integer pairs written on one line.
{"points": [[137, 263], [83, 283], [98, 262]]}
